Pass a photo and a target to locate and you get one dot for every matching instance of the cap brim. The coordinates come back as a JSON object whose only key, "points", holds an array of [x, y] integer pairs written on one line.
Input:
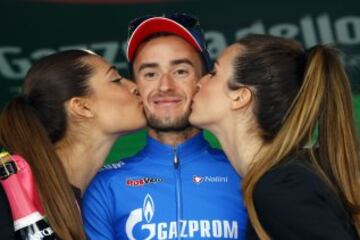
{"points": [[155, 25]]}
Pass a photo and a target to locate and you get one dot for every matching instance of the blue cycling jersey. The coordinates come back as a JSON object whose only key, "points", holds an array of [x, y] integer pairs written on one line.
{"points": [[163, 192]]}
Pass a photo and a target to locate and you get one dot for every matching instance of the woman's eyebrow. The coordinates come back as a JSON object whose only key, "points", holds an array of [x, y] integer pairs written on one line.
{"points": [[110, 68]]}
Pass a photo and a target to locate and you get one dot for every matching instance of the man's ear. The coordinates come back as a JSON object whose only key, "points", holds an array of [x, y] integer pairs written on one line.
{"points": [[240, 98], [81, 107]]}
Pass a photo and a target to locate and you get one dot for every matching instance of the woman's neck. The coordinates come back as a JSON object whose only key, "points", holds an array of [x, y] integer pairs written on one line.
{"points": [[240, 145], [83, 158]]}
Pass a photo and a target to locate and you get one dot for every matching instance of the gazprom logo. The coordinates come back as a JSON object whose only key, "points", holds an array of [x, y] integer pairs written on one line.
{"points": [[140, 224], [137, 215], [148, 208]]}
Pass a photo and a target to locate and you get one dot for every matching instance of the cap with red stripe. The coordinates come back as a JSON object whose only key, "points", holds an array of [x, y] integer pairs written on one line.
{"points": [[163, 24]]}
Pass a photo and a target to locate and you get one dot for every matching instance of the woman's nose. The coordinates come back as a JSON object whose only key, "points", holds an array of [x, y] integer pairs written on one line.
{"points": [[198, 86], [133, 88], [136, 92]]}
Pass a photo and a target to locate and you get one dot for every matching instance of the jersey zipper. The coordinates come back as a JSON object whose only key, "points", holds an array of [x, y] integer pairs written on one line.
{"points": [[176, 163]]}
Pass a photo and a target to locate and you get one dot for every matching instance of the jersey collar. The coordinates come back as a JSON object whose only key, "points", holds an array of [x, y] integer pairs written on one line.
{"points": [[192, 146]]}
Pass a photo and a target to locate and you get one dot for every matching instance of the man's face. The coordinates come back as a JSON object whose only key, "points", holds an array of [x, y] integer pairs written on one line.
{"points": [[167, 70]]}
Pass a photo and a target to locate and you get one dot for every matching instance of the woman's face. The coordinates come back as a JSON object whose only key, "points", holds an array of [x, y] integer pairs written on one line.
{"points": [[212, 103], [116, 107]]}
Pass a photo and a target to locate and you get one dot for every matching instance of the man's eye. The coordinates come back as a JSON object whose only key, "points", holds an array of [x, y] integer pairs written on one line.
{"points": [[181, 72], [150, 75]]}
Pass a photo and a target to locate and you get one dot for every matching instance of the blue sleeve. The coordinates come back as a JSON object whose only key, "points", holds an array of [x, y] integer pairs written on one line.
{"points": [[297, 204], [96, 212]]}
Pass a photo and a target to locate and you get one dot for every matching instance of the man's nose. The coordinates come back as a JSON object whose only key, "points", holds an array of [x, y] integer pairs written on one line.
{"points": [[166, 83]]}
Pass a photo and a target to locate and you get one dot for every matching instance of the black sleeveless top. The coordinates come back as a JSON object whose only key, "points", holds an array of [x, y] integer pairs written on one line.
{"points": [[6, 222], [292, 202]]}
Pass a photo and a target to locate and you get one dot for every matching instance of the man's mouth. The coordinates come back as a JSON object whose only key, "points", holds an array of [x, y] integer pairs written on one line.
{"points": [[166, 101]]}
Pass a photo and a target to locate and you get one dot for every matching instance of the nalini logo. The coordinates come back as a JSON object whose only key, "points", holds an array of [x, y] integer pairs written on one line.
{"points": [[142, 181], [197, 179], [209, 179]]}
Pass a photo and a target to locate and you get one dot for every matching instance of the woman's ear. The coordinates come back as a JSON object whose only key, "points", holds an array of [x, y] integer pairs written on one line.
{"points": [[240, 98], [81, 107]]}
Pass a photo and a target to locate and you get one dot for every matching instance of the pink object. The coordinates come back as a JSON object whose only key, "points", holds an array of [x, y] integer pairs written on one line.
{"points": [[29, 220], [21, 190]]}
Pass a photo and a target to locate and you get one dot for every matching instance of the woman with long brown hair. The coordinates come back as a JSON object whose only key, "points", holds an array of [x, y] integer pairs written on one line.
{"points": [[73, 107], [284, 118]]}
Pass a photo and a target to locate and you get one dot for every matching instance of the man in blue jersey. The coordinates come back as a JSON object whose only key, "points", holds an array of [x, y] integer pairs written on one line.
{"points": [[177, 187]]}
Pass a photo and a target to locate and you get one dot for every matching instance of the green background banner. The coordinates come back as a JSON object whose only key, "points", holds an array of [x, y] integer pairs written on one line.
{"points": [[32, 29]]}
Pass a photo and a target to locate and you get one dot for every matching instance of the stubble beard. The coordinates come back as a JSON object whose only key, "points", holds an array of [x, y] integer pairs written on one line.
{"points": [[168, 124]]}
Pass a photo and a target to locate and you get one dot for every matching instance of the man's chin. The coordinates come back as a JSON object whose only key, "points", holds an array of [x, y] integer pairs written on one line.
{"points": [[168, 125], [172, 129]]}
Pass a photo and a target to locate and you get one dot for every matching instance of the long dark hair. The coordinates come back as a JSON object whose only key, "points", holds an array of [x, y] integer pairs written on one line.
{"points": [[298, 92], [32, 123]]}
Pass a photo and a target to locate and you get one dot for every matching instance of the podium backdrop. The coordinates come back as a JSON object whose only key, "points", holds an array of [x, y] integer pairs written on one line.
{"points": [[31, 29]]}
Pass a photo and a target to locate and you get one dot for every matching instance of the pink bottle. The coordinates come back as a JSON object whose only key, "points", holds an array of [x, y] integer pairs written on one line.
{"points": [[29, 222]]}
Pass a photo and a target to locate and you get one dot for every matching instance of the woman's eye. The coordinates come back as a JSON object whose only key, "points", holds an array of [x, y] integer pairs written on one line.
{"points": [[116, 80], [212, 73]]}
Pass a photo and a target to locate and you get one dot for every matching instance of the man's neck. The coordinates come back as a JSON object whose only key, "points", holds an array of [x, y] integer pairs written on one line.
{"points": [[174, 138]]}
